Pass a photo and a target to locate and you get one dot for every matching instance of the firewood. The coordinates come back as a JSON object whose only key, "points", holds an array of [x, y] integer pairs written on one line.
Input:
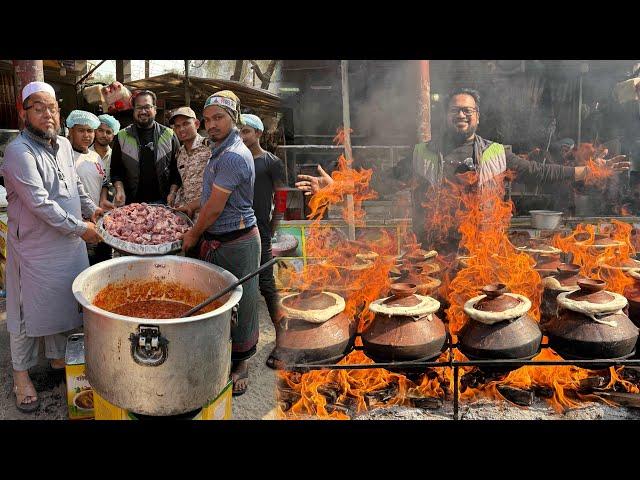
{"points": [[516, 395], [631, 400], [329, 392], [544, 392], [288, 395], [591, 383], [332, 407], [426, 403]]}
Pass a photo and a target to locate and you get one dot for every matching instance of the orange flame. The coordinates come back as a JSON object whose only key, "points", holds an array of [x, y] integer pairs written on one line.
{"points": [[595, 262], [354, 388], [596, 173], [340, 136], [485, 220]]}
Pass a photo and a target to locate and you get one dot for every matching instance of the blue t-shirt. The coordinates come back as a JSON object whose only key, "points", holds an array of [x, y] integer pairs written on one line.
{"points": [[232, 170]]}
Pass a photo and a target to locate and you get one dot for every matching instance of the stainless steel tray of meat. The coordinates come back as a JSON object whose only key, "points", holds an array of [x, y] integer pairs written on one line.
{"points": [[136, 248]]}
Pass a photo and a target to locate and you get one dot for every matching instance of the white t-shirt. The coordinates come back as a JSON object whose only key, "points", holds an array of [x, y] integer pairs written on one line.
{"points": [[91, 171], [106, 160]]}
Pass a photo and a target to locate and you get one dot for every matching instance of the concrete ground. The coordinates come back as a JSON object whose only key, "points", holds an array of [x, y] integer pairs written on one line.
{"points": [[258, 403]]}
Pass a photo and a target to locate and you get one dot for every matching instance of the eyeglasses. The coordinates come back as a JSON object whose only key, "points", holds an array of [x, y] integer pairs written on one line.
{"points": [[40, 108], [139, 108], [468, 111]]}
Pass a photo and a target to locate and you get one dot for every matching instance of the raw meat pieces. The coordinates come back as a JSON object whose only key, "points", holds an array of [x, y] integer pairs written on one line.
{"points": [[145, 224]]}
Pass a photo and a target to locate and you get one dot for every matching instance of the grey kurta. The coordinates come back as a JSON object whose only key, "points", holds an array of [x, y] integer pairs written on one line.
{"points": [[44, 249]]}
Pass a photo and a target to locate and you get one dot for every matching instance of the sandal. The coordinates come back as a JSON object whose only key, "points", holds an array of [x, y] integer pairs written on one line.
{"points": [[26, 407], [56, 374], [239, 376], [274, 363]]}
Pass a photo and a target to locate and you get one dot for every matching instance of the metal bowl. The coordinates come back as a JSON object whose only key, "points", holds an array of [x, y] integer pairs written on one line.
{"points": [[136, 248], [545, 219]]}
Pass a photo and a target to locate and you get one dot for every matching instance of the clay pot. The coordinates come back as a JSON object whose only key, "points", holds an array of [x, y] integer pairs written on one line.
{"points": [[302, 341], [514, 338], [632, 294], [394, 336], [567, 276], [574, 334]]}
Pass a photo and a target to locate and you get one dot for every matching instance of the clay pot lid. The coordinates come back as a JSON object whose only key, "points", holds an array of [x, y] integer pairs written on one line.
{"points": [[605, 241], [591, 290], [538, 245], [428, 267], [402, 295], [464, 260], [630, 262], [309, 300], [367, 257], [626, 264], [495, 300], [635, 274], [569, 274], [548, 262], [356, 266], [519, 238], [419, 256], [599, 239], [395, 272]]}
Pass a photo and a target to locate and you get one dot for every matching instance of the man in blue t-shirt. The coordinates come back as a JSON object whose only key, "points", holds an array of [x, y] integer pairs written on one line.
{"points": [[228, 223]]}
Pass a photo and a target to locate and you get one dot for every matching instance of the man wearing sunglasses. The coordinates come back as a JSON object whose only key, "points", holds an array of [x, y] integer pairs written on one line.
{"points": [[46, 240], [143, 159]]}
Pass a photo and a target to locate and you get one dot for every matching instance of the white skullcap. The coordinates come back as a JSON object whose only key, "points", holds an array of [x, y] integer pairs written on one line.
{"points": [[35, 87]]}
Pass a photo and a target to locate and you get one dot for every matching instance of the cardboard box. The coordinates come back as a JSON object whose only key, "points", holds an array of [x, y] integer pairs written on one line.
{"points": [[4, 222], [217, 409], [3, 273], [79, 393]]}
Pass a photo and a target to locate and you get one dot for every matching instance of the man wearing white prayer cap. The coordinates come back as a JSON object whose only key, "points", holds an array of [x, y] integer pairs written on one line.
{"points": [[46, 239]]}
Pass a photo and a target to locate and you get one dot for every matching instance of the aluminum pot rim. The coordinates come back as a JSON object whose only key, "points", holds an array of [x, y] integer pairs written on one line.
{"points": [[546, 212], [236, 294]]}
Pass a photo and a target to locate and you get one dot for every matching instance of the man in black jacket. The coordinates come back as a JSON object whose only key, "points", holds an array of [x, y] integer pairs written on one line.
{"points": [[143, 161]]}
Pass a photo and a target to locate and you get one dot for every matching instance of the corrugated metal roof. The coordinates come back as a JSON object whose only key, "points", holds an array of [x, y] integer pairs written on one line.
{"points": [[170, 87]]}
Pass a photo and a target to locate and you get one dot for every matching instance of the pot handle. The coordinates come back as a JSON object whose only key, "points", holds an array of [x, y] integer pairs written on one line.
{"points": [[148, 346]]}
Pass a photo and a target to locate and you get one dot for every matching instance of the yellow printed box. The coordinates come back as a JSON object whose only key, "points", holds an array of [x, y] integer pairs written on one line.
{"points": [[79, 392], [217, 409]]}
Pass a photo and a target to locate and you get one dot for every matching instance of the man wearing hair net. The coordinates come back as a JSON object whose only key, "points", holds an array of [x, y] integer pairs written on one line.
{"points": [[269, 175], [46, 239], [90, 168], [106, 131]]}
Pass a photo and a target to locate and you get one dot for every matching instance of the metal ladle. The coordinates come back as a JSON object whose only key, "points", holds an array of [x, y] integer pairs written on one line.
{"points": [[219, 294]]}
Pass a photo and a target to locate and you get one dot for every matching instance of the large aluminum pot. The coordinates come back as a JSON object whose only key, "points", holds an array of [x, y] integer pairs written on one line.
{"points": [[157, 367]]}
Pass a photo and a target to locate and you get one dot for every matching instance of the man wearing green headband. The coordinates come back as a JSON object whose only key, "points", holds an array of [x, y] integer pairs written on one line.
{"points": [[228, 223]]}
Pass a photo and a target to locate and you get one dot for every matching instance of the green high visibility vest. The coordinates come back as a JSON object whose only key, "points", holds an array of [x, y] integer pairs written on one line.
{"points": [[429, 164]]}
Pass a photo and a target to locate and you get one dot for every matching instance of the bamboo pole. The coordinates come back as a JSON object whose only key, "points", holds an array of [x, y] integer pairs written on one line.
{"points": [[346, 121], [424, 132], [187, 93]]}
